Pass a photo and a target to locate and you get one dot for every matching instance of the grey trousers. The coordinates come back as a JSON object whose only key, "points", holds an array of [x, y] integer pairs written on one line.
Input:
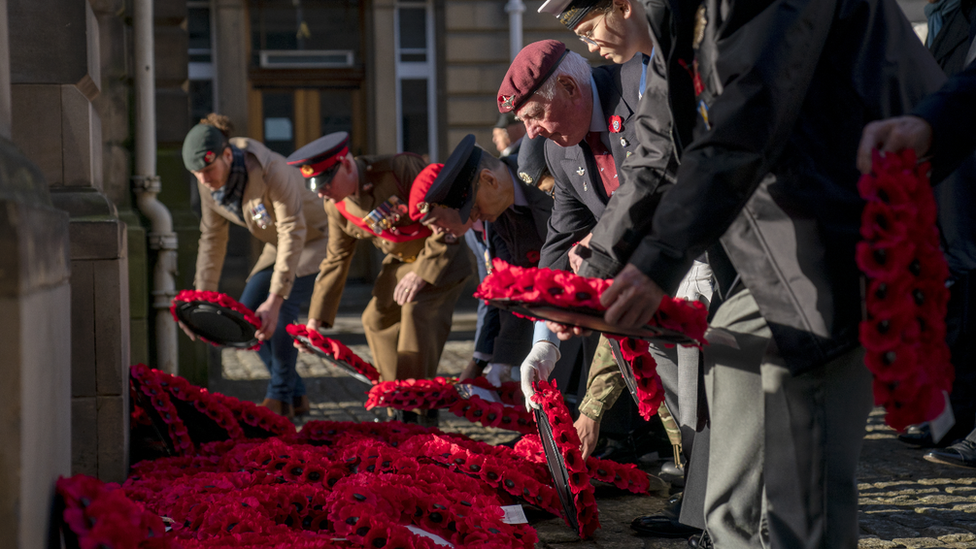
{"points": [[785, 475]]}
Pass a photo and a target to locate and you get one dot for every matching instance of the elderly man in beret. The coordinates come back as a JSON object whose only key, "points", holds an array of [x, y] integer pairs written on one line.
{"points": [[409, 317], [585, 114], [618, 30], [475, 186], [587, 117]]}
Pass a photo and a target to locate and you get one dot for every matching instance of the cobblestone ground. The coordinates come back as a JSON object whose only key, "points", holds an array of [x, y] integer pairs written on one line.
{"points": [[905, 501]]}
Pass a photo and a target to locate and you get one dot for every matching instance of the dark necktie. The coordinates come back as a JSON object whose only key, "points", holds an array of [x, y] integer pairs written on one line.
{"points": [[604, 161]]}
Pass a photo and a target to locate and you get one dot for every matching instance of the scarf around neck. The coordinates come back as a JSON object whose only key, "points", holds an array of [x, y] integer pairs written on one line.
{"points": [[231, 195]]}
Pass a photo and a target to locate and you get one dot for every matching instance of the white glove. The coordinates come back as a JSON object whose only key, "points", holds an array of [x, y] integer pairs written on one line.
{"points": [[536, 367], [495, 372]]}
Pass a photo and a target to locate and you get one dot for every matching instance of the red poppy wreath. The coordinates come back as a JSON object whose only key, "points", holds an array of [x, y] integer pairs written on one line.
{"points": [[564, 289], [904, 332], [234, 326], [336, 350]]}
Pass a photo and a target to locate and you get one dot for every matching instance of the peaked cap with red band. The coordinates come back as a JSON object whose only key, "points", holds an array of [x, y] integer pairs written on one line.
{"points": [[320, 155], [530, 69], [418, 206]]}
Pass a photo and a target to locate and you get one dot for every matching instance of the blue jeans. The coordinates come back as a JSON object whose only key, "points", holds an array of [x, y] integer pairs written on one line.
{"points": [[278, 353]]}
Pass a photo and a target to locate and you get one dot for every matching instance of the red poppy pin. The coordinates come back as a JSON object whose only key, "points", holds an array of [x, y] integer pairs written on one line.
{"points": [[209, 157], [616, 124]]}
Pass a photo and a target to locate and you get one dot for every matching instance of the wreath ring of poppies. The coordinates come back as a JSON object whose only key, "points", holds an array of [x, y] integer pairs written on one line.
{"points": [[335, 353], [216, 318]]}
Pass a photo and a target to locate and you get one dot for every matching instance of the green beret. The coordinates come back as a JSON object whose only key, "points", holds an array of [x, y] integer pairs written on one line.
{"points": [[202, 145]]}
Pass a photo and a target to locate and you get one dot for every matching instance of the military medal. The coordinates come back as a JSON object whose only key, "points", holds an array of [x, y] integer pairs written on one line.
{"points": [[703, 111], [260, 216], [386, 215]]}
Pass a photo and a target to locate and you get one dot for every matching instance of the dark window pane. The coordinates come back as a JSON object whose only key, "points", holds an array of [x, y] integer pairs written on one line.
{"points": [[201, 99], [335, 107], [414, 57], [279, 124], [198, 27], [413, 28], [328, 25], [413, 102]]}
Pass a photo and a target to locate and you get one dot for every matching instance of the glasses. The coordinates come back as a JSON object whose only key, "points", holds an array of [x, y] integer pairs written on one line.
{"points": [[587, 38]]}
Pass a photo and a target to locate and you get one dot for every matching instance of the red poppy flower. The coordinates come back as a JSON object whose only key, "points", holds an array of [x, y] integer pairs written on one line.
{"points": [[884, 260]]}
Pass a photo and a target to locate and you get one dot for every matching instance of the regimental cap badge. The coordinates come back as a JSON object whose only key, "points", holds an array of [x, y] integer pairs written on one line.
{"points": [[307, 170], [209, 157], [526, 178], [423, 207], [507, 101]]}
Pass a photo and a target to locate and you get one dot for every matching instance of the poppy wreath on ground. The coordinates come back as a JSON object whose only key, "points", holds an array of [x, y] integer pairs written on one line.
{"points": [[362, 482], [336, 350], [217, 298], [438, 393], [220, 416], [354, 484], [568, 443], [906, 300], [100, 515], [565, 289], [155, 401]]}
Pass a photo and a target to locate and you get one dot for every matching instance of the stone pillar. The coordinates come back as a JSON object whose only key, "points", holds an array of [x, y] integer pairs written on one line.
{"points": [[55, 76], [231, 41], [382, 74], [35, 335]]}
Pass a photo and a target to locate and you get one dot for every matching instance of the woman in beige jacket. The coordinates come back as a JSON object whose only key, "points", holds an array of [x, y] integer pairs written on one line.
{"points": [[243, 182]]}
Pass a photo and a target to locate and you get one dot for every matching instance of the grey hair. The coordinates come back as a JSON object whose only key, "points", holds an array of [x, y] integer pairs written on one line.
{"points": [[573, 65]]}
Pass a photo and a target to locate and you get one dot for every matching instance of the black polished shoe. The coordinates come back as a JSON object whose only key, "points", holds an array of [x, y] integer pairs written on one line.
{"points": [[701, 542], [917, 435], [662, 526], [960, 454]]}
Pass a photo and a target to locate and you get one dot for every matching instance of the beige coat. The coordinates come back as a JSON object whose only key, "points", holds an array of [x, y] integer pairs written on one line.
{"points": [[295, 240]]}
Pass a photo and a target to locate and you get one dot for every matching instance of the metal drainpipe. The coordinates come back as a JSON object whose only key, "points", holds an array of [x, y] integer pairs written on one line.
{"points": [[146, 185], [514, 8]]}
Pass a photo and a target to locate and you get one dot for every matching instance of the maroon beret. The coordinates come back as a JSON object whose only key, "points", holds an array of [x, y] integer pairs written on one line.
{"points": [[531, 67]]}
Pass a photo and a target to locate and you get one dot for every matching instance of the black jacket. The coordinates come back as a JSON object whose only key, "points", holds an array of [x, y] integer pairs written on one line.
{"points": [[521, 231], [951, 112], [644, 176], [788, 87], [579, 200], [956, 194]]}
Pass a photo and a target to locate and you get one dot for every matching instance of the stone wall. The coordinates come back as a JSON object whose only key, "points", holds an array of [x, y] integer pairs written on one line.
{"points": [[55, 79], [35, 335]]}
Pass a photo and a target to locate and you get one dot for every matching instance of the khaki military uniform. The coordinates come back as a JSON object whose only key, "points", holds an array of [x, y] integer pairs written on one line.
{"points": [[406, 341], [294, 238]]}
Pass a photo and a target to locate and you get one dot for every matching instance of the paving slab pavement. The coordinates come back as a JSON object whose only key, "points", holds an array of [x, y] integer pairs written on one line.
{"points": [[905, 501]]}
